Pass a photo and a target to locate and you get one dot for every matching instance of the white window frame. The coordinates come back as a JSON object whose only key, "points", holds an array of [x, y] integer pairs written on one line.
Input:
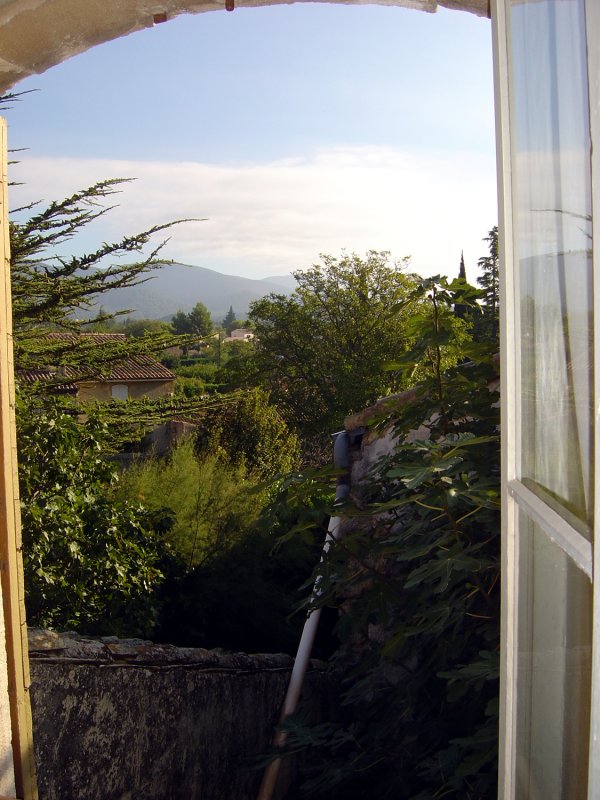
{"points": [[592, 10], [516, 496]]}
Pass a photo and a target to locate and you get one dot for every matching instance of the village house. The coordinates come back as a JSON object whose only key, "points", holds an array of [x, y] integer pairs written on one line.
{"points": [[131, 378], [240, 335]]}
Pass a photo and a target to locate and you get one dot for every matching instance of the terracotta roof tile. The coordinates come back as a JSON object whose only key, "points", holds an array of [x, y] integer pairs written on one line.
{"points": [[97, 338], [31, 376], [139, 368], [133, 368]]}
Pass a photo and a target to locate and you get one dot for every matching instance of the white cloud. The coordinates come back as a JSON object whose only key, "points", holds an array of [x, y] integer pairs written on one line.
{"points": [[270, 218]]}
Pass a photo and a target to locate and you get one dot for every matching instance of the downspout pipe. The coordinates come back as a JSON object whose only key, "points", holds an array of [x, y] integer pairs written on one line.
{"points": [[341, 460]]}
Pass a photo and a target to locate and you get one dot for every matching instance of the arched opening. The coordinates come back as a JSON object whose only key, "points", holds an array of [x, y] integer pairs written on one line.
{"points": [[37, 34]]}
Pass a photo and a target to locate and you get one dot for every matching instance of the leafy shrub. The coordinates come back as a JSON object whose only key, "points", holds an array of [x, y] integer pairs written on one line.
{"points": [[190, 387], [214, 502], [91, 560], [251, 431], [170, 361], [197, 369]]}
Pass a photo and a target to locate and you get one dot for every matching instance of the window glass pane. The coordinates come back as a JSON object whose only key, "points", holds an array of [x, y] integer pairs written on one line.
{"points": [[553, 245], [119, 391], [553, 671]]}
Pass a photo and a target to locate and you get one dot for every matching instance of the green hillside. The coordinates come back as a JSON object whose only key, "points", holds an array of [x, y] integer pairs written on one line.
{"points": [[177, 287]]}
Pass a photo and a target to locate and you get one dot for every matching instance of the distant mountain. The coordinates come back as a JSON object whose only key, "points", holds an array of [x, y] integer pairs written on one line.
{"points": [[287, 282], [178, 287]]}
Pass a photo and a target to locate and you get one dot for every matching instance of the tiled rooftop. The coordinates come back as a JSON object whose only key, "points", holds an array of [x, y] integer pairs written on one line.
{"points": [[132, 368], [139, 368]]}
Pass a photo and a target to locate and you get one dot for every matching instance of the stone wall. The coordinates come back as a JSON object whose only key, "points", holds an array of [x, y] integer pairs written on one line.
{"points": [[130, 720], [374, 441]]}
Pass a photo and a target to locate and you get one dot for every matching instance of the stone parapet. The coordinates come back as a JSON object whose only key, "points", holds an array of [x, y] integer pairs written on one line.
{"points": [[129, 719]]}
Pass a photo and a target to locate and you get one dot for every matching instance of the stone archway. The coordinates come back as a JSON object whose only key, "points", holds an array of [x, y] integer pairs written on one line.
{"points": [[38, 34]]}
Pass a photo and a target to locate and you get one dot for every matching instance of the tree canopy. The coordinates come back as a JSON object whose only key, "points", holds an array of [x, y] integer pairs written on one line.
{"points": [[229, 319], [415, 577], [92, 561], [322, 350], [197, 321]]}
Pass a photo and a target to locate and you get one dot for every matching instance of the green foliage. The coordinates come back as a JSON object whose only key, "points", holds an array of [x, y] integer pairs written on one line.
{"points": [[489, 324], [321, 351], [190, 388], [459, 309], [195, 379], [92, 561], [448, 341], [214, 502], [140, 327], [198, 321], [416, 577], [251, 431], [244, 597], [229, 320], [239, 368], [52, 295], [462, 271], [206, 370], [104, 323], [127, 422], [49, 292]]}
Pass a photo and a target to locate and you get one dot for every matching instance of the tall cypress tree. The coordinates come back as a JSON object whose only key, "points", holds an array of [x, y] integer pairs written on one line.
{"points": [[229, 319], [460, 310]]}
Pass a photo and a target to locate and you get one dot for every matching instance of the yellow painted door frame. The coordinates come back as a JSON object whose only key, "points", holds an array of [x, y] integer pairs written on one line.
{"points": [[11, 562]]}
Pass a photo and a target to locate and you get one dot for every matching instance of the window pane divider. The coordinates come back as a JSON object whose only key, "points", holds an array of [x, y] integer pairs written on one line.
{"points": [[556, 528], [592, 14]]}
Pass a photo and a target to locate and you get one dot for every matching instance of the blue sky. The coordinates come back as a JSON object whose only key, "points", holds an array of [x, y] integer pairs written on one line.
{"points": [[292, 130]]}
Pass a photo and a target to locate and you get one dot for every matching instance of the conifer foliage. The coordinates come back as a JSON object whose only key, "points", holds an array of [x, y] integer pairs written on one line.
{"points": [[489, 325], [460, 309], [196, 322], [52, 292], [228, 319], [91, 561]]}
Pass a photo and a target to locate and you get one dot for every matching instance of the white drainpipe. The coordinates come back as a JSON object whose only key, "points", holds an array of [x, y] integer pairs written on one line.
{"points": [[342, 462]]}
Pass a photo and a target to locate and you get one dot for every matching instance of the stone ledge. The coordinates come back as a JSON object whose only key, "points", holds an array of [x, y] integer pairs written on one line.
{"points": [[380, 409], [46, 645]]}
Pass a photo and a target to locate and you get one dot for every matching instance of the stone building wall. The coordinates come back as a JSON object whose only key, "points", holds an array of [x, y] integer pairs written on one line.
{"points": [[130, 720], [374, 441]]}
